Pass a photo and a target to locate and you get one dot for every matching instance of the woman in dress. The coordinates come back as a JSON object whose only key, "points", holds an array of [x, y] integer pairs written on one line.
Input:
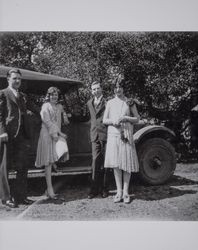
{"points": [[47, 155], [120, 115]]}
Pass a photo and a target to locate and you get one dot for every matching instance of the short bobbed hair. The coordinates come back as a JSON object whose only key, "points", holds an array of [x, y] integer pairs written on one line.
{"points": [[50, 92], [119, 84]]}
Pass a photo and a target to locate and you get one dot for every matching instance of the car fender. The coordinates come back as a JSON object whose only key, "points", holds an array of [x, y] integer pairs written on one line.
{"points": [[153, 129]]}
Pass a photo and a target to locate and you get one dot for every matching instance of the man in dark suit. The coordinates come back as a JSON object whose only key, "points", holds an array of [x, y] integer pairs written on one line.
{"points": [[15, 128], [4, 185], [98, 134]]}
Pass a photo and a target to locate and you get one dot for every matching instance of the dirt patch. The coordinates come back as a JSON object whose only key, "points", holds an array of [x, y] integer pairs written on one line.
{"points": [[176, 200]]}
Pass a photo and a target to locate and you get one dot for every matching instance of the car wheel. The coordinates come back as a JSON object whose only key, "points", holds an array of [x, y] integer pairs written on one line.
{"points": [[157, 161]]}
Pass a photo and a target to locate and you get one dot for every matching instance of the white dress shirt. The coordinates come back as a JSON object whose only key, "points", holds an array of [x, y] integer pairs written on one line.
{"points": [[14, 91], [97, 100]]}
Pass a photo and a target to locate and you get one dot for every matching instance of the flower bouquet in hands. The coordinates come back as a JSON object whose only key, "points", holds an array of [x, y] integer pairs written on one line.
{"points": [[122, 123], [123, 136]]}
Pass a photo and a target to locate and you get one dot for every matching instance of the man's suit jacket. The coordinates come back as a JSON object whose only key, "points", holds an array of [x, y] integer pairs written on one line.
{"points": [[13, 113], [4, 186], [98, 130]]}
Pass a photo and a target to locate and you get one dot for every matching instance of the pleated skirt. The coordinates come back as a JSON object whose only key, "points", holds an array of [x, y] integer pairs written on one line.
{"points": [[121, 154], [46, 149]]}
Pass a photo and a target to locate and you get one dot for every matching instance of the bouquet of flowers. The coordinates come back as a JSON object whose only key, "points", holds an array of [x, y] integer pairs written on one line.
{"points": [[123, 129], [123, 136]]}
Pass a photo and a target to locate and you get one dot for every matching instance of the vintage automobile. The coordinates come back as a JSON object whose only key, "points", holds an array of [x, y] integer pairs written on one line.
{"points": [[155, 144]]}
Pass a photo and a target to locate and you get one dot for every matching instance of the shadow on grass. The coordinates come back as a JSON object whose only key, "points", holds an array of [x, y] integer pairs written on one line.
{"points": [[175, 187], [77, 188]]}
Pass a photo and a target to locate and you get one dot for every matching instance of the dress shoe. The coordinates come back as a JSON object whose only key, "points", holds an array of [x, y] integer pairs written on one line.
{"points": [[56, 198], [26, 201], [52, 197], [10, 203], [126, 199], [104, 194], [61, 197], [91, 195], [117, 198]]}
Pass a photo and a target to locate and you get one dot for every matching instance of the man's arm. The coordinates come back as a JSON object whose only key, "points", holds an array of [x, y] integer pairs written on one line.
{"points": [[31, 105], [3, 113]]}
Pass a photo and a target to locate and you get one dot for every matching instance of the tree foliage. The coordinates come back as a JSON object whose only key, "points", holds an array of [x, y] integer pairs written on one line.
{"points": [[160, 68]]}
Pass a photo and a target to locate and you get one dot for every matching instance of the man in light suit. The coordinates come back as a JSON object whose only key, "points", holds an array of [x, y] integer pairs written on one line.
{"points": [[98, 134], [15, 128]]}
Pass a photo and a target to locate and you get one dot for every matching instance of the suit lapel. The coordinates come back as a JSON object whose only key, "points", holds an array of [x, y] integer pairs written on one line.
{"points": [[101, 106], [11, 95], [91, 103]]}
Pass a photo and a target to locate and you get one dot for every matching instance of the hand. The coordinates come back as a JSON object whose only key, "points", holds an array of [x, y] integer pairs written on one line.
{"points": [[116, 124], [66, 121], [55, 137], [63, 135], [4, 137], [122, 119], [143, 121]]}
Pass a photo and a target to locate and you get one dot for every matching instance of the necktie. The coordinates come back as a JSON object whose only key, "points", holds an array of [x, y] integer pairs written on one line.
{"points": [[17, 94], [96, 103]]}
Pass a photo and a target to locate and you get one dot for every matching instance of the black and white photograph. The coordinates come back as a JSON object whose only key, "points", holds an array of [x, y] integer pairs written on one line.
{"points": [[98, 125]]}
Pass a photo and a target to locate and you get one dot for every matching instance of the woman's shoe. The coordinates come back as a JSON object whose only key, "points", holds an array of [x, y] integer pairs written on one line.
{"points": [[51, 196], [10, 203], [126, 198], [60, 197], [117, 198], [55, 197]]}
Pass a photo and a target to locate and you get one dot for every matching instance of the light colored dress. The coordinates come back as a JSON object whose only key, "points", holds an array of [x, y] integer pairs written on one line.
{"points": [[119, 154], [51, 124]]}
